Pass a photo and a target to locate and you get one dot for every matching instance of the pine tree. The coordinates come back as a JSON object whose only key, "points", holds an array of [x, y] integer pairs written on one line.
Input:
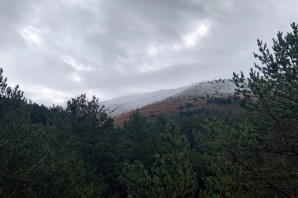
{"points": [[141, 139], [40, 155], [8, 92], [170, 176], [271, 104]]}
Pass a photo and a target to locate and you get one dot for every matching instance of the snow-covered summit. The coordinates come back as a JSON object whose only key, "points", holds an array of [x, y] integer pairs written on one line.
{"points": [[216, 88], [125, 104], [132, 102]]}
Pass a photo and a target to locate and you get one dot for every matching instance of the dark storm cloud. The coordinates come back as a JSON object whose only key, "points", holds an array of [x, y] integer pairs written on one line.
{"points": [[56, 50]]}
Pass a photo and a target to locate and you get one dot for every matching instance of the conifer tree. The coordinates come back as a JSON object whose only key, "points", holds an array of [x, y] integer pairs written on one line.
{"points": [[170, 176], [40, 155], [271, 104]]}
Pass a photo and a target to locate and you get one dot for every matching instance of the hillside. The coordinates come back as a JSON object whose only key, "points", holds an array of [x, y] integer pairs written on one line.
{"points": [[196, 93]]}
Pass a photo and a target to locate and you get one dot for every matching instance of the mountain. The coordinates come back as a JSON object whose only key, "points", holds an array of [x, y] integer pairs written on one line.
{"points": [[203, 90]]}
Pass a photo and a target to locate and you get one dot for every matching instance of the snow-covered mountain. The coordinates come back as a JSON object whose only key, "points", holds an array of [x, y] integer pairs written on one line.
{"points": [[125, 104], [132, 102], [216, 88]]}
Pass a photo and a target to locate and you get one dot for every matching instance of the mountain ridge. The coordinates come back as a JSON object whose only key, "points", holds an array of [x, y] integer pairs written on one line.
{"points": [[205, 89]]}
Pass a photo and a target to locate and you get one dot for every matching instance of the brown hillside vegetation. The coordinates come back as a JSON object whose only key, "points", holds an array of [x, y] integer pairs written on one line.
{"points": [[172, 106]]}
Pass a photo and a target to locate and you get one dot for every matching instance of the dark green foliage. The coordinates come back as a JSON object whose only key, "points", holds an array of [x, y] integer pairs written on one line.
{"points": [[273, 115], [221, 101], [88, 117], [217, 144], [142, 139], [40, 155], [171, 174], [39, 114], [8, 92]]}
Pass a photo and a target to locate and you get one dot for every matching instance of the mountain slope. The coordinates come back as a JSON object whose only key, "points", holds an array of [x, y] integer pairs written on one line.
{"points": [[216, 88], [132, 102]]}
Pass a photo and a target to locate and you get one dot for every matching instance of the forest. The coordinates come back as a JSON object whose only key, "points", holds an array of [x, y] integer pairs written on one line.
{"points": [[77, 151]]}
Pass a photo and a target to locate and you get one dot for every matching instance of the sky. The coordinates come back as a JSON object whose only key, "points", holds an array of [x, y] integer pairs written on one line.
{"points": [[56, 50]]}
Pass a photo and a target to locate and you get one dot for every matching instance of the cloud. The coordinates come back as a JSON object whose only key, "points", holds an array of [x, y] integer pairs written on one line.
{"points": [[75, 63], [31, 35], [108, 48]]}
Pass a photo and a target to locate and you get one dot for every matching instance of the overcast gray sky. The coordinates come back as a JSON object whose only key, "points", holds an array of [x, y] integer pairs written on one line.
{"points": [[58, 49]]}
